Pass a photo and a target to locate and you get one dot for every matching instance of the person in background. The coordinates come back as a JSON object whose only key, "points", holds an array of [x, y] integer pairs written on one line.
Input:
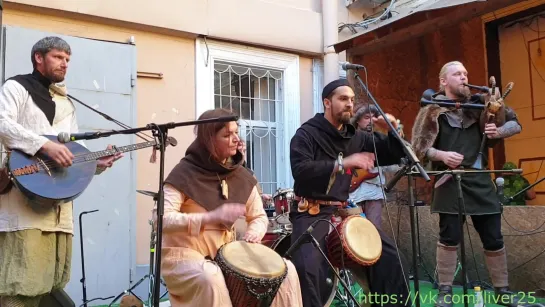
{"points": [[515, 183], [369, 194]]}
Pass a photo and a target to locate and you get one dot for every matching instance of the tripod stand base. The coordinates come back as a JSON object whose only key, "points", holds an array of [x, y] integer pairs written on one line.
{"points": [[357, 288], [132, 296]]}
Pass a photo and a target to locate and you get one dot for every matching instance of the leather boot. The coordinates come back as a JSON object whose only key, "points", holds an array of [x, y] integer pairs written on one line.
{"points": [[444, 298], [447, 259]]}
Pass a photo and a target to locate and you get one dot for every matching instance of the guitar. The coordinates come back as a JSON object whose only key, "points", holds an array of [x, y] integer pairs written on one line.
{"points": [[41, 179], [361, 175]]}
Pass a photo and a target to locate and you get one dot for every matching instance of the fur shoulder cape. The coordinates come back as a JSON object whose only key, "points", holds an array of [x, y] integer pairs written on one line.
{"points": [[426, 128]]}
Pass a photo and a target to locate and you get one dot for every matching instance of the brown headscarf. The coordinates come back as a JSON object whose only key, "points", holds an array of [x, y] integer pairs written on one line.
{"points": [[198, 175]]}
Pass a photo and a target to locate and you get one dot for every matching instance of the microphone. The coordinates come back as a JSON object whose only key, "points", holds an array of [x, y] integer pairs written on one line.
{"points": [[348, 66], [65, 137], [398, 175], [302, 239], [499, 183]]}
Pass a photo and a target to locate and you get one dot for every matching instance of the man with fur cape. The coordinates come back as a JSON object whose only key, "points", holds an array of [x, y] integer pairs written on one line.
{"points": [[450, 138]]}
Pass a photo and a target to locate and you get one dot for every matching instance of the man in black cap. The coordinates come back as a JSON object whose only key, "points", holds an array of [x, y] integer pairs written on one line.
{"points": [[323, 152]]}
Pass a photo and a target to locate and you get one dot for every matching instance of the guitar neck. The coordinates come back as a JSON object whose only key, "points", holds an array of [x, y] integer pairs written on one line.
{"points": [[109, 152]]}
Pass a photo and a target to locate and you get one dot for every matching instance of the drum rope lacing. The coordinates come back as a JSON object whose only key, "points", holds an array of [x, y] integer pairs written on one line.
{"points": [[253, 283]]}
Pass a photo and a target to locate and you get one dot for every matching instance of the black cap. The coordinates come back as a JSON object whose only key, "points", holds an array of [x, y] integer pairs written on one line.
{"points": [[331, 86]]}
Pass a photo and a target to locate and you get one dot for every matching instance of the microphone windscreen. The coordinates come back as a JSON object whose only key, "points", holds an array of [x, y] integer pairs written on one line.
{"points": [[500, 181], [63, 137]]}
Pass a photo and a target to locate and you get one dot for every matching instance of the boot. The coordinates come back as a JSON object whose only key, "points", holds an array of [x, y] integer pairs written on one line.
{"points": [[446, 266], [444, 297], [496, 261]]}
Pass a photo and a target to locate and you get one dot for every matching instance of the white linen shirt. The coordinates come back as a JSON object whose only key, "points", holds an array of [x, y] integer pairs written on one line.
{"points": [[21, 125]]}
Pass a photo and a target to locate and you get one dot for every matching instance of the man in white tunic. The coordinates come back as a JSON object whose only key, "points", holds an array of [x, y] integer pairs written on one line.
{"points": [[36, 241]]}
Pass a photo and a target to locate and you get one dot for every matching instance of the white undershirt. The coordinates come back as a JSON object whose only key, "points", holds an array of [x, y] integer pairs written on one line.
{"points": [[21, 125]]}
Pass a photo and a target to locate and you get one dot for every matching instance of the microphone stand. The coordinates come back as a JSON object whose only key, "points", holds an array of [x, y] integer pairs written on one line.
{"points": [[161, 132], [415, 244], [406, 147], [82, 280], [524, 190], [412, 160], [345, 286], [314, 242], [461, 213]]}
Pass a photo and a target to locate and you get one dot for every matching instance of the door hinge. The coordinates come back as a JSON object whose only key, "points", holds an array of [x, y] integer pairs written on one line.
{"points": [[133, 81]]}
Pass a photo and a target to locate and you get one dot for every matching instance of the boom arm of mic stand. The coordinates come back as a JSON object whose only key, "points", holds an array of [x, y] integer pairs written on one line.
{"points": [[164, 127], [524, 190], [406, 147]]}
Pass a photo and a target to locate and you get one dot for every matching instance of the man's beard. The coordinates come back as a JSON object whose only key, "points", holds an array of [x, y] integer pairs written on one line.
{"points": [[461, 92], [344, 116], [55, 76]]}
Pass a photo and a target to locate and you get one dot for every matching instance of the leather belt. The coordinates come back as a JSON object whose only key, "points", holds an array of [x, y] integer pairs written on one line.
{"points": [[313, 205]]}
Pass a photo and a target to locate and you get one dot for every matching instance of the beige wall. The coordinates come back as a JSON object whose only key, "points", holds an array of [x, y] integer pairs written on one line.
{"points": [[290, 25], [307, 95], [157, 99]]}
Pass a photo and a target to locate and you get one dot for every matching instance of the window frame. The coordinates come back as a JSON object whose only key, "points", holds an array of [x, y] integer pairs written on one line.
{"points": [[208, 51]]}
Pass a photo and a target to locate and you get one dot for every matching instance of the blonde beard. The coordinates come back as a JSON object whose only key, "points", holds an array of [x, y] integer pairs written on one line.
{"points": [[464, 93]]}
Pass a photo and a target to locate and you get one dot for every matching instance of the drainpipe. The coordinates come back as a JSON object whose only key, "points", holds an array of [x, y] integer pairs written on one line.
{"points": [[330, 37]]}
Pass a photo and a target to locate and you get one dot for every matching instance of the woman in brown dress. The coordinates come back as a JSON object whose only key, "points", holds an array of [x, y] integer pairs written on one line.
{"points": [[204, 195]]}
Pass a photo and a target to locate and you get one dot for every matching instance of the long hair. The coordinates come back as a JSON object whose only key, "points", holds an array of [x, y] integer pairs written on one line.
{"points": [[207, 132]]}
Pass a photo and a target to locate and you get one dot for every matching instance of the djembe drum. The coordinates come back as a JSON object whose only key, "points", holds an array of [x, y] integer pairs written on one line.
{"points": [[357, 243], [253, 272]]}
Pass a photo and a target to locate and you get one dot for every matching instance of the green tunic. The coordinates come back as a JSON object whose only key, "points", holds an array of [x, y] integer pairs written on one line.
{"points": [[462, 135]]}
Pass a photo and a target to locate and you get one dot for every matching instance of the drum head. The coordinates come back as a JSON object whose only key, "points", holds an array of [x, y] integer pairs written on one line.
{"points": [[362, 238], [253, 259]]}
